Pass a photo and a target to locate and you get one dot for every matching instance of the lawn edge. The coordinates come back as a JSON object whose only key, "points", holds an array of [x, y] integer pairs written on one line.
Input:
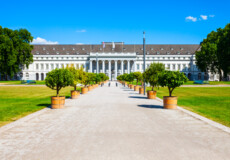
{"points": [[23, 119], [204, 119]]}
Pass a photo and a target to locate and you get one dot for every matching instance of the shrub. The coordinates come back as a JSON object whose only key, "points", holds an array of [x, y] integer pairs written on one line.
{"points": [[172, 79], [58, 79]]}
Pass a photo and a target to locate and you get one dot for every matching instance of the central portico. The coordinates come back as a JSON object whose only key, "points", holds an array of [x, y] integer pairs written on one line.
{"points": [[112, 64]]}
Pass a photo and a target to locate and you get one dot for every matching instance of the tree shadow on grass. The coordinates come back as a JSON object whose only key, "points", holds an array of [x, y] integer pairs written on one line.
{"points": [[137, 97], [151, 106], [45, 105]]}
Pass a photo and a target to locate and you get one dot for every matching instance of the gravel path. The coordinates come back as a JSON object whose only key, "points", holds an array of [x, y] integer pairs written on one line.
{"points": [[113, 123]]}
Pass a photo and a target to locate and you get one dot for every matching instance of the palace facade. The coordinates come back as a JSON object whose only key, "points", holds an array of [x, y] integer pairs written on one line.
{"points": [[113, 59]]}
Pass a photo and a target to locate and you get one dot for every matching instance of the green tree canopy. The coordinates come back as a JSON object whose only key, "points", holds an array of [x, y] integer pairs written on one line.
{"points": [[151, 75], [76, 75], [172, 79], [137, 76], [214, 55], [83, 76], [15, 50], [58, 79]]}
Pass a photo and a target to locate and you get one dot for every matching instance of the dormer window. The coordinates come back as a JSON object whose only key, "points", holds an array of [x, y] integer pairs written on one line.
{"points": [[171, 49], [162, 49], [188, 52], [178, 52], [47, 52], [54, 49], [142, 49], [168, 52], [147, 52], [77, 53], [181, 48], [67, 52], [73, 49], [100, 49], [158, 52], [151, 49], [37, 52], [57, 52], [124, 49], [83, 49], [44, 48]]}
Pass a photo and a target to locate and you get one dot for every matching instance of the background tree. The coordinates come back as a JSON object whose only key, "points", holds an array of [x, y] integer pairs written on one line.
{"points": [[15, 50], [97, 78], [137, 76], [58, 79], [76, 75], [214, 55], [172, 79], [130, 77], [83, 76], [102, 76], [151, 75]]}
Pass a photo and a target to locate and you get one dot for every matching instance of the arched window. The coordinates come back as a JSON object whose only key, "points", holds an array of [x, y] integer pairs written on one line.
{"points": [[189, 76], [199, 76], [42, 76], [37, 76]]}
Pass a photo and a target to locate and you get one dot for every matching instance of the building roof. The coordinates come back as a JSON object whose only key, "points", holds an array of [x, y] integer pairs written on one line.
{"points": [[151, 49]]}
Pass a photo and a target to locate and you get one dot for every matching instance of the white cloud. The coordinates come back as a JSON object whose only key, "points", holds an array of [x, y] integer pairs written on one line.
{"points": [[204, 17], [190, 18], [212, 16], [40, 40], [81, 31]]}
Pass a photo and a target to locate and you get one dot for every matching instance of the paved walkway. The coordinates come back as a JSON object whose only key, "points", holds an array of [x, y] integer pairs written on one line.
{"points": [[113, 123]]}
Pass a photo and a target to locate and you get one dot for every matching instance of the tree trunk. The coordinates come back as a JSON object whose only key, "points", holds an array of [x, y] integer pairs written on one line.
{"points": [[57, 92], [220, 75], [75, 88], [152, 88]]}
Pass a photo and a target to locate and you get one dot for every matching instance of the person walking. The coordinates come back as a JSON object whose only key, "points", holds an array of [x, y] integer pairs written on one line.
{"points": [[116, 84], [109, 84]]}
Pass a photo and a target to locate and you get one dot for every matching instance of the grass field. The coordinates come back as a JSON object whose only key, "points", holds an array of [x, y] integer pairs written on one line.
{"points": [[16, 102], [192, 83], [210, 102], [19, 82]]}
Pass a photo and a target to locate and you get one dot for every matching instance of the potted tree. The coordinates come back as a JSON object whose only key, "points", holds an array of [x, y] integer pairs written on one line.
{"points": [[171, 79], [151, 76], [130, 78], [138, 77], [83, 80], [89, 80], [56, 80], [76, 80]]}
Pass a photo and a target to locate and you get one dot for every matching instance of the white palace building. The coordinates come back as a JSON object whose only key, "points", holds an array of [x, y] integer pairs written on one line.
{"points": [[114, 59]]}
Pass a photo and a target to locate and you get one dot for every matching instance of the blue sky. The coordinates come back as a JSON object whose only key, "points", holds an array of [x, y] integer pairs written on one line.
{"points": [[91, 22]]}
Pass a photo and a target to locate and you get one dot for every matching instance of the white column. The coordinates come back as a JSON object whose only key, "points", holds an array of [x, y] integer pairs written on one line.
{"points": [[128, 68], [109, 70], [97, 64], [115, 70], [122, 67], [103, 66], [90, 66], [134, 66]]}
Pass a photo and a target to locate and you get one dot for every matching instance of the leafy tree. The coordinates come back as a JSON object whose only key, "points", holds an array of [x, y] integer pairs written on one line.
{"points": [[214, 55], [76, 75], [58, 79], [130, 77], [97, 78], [15, 50], [90, 78], [172, 79], [103, 76], [137, 76], [83, 76], [151, 75]]}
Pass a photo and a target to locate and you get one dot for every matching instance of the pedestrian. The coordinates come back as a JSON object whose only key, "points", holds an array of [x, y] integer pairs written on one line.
{"points": [[116, 84], [101, 84], [109, 84]]}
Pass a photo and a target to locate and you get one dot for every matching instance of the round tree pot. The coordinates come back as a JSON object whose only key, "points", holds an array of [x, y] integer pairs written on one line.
{"points": [[131, 86], [136, 88], [75, 94], [84, 90], [90, 88], [141, 90], [170, 102], [57, 102], [152, 94]]}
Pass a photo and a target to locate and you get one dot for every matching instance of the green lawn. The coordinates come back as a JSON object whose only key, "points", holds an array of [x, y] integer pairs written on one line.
{"points": [[16, 102], [19, 82], [211, 102]]}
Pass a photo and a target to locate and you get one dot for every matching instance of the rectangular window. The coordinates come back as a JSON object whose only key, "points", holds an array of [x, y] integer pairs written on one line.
{"points": [[57, 66], [52, 66], [168, 67], [42, 66], [138, 67], [184, 66], [47, 66], [174, 66], [37, 67]]}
